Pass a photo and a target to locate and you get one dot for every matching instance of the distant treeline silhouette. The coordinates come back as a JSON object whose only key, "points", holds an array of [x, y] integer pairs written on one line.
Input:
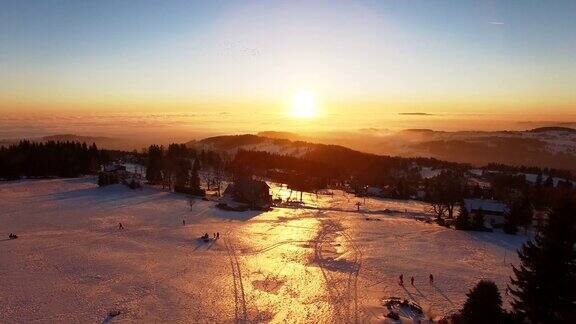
{"points": [[333, 163], [50, 159], [565, 174]]}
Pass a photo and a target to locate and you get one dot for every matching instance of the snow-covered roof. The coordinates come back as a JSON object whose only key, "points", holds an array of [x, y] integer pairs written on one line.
{"points": [[487, 205], [114, 167]]}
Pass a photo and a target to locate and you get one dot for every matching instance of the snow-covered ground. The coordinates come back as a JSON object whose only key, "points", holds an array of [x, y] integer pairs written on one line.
{"points": [[327, 263]]}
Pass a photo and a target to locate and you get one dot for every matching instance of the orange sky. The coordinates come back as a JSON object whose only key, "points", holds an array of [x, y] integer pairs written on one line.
{"points": [[363, 61]]}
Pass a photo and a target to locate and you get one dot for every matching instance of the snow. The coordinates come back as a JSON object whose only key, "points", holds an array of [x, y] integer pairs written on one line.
{"points": [[323, 263], [533, 178], [428, 172]]}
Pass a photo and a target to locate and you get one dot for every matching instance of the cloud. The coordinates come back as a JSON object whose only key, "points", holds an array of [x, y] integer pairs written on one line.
{"points": [[496, 23], [415, 114]]}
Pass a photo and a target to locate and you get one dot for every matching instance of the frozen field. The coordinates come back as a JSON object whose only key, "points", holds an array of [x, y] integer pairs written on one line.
{"points": [[71, 263]]}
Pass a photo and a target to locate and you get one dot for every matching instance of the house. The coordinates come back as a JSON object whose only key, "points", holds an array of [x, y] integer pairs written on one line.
{"points": [[256, 193], [374, 191], [114, 168], [493, 210], [117, 173]]}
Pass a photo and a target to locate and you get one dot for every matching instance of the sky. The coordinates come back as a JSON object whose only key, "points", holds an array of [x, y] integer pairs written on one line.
{"points": [[361, 60]]}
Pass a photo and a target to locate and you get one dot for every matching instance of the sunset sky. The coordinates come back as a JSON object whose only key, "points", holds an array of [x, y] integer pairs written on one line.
{"points": [[342, 57]]}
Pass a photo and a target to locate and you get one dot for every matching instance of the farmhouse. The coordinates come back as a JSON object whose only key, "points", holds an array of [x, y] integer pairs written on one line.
{"points": [[493, 210], [256, 193], [117, 173]]}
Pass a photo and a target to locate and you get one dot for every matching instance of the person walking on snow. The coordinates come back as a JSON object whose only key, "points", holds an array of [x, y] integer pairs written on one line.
{"points": [[183, 222], [412, 281], [120, 227], [217, 235], [401, 280], [431, 279]]}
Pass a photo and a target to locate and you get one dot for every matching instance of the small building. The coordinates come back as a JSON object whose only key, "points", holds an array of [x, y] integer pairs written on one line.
{"points": [[117, 173], [494, 211], [255, 193], [374, 191], [114, 168]]}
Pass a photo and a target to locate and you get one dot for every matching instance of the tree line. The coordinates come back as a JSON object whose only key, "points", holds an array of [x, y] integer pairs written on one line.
{"points": [[50, 159], [178, 167]]}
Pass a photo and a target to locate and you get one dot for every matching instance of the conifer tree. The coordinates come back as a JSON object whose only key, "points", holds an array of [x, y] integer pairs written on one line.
{"points": [[478, 220], [194, 181], [544, 285], [484, 304], [463, 219], [154, 164]]}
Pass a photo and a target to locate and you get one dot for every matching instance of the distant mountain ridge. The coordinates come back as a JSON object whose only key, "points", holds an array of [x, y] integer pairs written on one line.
{"points": [[553, 129], [547, 147], [552, 147]]}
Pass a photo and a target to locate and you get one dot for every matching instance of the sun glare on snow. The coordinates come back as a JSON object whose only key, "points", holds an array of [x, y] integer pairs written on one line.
{"points": [[304, 105]]}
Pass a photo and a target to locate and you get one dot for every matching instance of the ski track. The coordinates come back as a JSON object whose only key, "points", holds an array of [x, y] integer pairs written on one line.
{"points": [[240, 311], [341, 295]]}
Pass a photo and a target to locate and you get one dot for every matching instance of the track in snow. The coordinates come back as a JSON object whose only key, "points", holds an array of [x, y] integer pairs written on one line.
{"points": [[240, 309], [340, 275]]}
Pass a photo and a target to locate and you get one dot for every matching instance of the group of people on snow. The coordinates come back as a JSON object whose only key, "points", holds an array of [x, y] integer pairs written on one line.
{"points": [[12, 236], [401, 280], [206, 237]]}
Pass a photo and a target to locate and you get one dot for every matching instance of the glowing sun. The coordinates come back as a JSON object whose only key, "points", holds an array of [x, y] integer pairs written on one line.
{"points": [[304, 105]]}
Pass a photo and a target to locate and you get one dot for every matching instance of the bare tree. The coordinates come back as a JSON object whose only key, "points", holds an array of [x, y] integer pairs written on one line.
{"points": [[445, 192]]}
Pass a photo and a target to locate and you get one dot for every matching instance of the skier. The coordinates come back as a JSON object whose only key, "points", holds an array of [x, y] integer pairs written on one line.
{"points": [[431, 279], [412, 281], [401, 277], [120, 227]]}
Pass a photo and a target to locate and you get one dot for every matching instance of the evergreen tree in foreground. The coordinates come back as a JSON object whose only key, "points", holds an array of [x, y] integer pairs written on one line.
{"points": [[544, 287], [484, 304]]}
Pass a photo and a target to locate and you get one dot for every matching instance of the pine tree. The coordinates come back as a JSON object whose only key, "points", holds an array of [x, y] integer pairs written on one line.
{"points": [[101, 180], [478, 220], [463, 219], [154, 164], [194, 181], [520, 214], [484, 304], [544, 287]]}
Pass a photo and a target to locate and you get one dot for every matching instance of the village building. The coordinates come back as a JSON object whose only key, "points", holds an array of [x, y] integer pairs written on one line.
{"points": [[494, 211], [255, 193], [117, 173], [114, 168]]}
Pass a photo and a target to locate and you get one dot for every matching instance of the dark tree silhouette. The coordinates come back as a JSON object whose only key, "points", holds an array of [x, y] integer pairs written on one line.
{"points": [[50, 159], [484, 304], [520, 214], [544, 285], [463, 219], [446, 190], [478, 220], [154, 164]]}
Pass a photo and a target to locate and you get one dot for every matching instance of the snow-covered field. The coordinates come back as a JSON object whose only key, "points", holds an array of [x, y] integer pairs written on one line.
{"points": [[325, 264]]}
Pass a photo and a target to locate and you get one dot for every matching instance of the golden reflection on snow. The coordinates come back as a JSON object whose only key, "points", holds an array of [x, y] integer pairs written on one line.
{"points": [[279, 265]]}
